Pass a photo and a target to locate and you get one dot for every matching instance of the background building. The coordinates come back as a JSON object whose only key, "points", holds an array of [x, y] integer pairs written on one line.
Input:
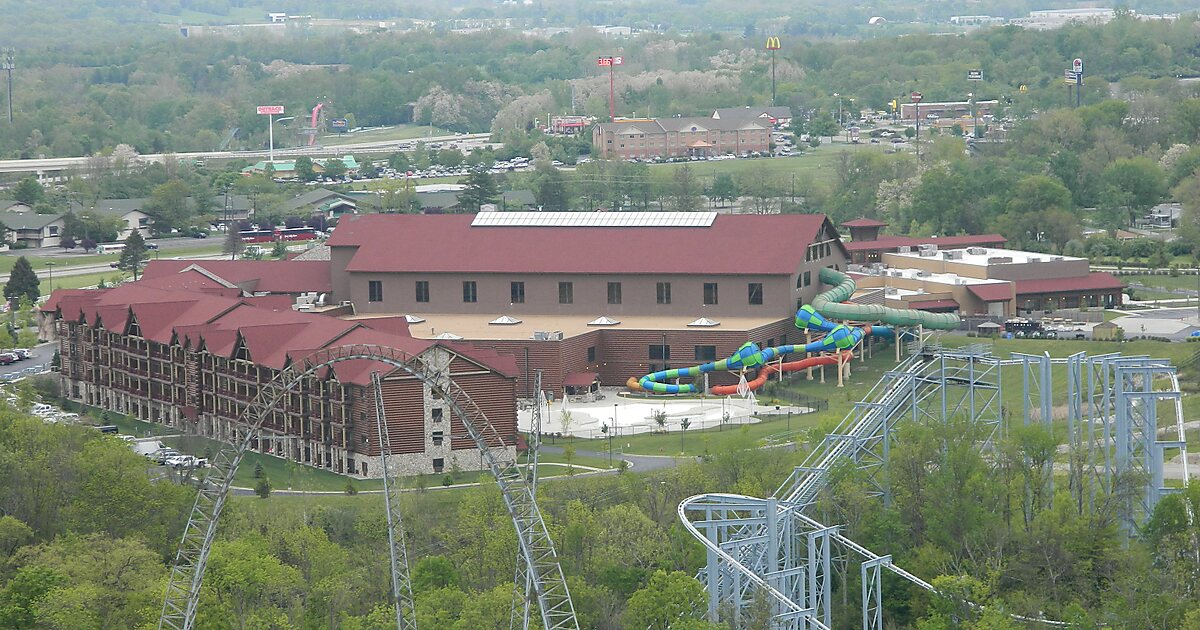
{"points": [[868, 246], [680, 137]]}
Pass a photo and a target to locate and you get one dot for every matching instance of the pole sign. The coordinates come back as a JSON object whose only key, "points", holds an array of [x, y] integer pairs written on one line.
{"points": [[1077, 66], [974, 75], [1023, 89], [1071, 77], [915, 96], [608, 61], [773, 43], [339, 124], [270, 110]]}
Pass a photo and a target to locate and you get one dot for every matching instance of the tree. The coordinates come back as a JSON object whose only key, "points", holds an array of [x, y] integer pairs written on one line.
{"points": [[550, 189], [134, 254], [480, 189], [87, 244], [304, 169], [28, 191], [1139, 182], [724, 187], [22, 282], [170, 205], [823, 124], [233, 244], [67, 243], [685, 196], [433, 572], [262, 487], [668, 602], [335, 168]]}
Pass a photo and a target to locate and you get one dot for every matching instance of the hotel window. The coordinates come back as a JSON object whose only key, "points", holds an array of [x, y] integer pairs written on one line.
{"points": [[591, 354], [710, 293], [755, 292], [437, 438], [706, 353], [517, 292], [566, 293], [439, 464], [664, 292], [374, 291], [469, 291], [659, 352], [436, 414], [614, 292], [422, 290]]}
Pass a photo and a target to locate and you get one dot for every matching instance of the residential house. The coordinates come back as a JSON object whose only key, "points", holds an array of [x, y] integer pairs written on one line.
{"points": [[327, 203], [34, 230], [127, 210], [446, 201]]}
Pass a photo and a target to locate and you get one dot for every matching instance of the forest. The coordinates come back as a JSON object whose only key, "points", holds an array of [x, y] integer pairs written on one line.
{"points": [[86, 539], [156, 94]]}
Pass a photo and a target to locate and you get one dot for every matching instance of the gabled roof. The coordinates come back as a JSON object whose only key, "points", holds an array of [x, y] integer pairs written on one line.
{"points": [[781, 111], [271, 338], [317, 197], [450, 244], [27, 220], [261, 276], [864, 222], [112, 207], [992, 291]]}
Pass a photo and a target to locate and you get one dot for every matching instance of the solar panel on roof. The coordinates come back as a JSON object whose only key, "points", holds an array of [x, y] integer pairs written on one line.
{"points": [[595, 219]]}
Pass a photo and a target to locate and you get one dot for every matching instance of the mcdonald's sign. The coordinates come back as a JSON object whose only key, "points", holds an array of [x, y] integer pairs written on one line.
{"points": [[773, 43]]}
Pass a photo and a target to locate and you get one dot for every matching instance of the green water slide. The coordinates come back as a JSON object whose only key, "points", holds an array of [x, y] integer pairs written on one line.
{"points": [[832, 305]]}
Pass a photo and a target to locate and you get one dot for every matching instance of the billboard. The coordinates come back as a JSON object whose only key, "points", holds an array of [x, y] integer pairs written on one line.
{"points": [[264, 110], [339, 124], [974, 75]]}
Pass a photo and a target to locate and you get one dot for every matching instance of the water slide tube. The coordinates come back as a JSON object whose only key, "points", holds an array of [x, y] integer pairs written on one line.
{"points": [[838, 338]]}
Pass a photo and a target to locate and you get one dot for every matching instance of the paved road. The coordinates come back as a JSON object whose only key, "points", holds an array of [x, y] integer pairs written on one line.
{"points": [[42, 355], [640, 463], [61, 164]]}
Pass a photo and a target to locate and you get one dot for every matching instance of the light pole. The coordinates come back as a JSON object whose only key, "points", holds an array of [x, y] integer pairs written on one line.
{"points": [[916, 99], [50, 272], [974, 118], [839, 98], [9, 64], [604, 428], [773, 45]]}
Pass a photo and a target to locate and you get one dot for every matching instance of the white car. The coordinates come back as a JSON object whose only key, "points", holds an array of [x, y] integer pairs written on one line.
{"points": [[186, 461]]}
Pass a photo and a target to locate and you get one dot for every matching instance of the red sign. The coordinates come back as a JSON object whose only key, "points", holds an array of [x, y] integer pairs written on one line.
{"points": [[264, 110], [915, 96], [610, 61]]}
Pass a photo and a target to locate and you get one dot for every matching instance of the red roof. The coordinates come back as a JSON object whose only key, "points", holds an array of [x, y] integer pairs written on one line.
{"points": [[896, 242], [449, 244], [864, 222], [928, 305], [1095, 281], [271, 337], [261, 276], [992, 291]]}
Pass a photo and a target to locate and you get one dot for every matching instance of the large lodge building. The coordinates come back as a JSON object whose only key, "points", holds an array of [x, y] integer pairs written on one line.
{"points": [[497, 297]]}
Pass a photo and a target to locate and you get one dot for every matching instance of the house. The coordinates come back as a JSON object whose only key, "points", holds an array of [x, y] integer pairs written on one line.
{"points": [[446, 201], [127, 210], [320, 201], [773, 115], [232, 208], [12, 205], [34, 230]]}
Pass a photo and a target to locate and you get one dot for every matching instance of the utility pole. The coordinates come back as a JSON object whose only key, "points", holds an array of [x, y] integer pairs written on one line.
{"points": [[9, 64], [609, 62], [916, 99]]}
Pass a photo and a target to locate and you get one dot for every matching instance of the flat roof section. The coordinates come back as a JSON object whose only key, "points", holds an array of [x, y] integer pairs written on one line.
{"points": [[476, 326], [929, 276], [595, 219], [985, 256]]}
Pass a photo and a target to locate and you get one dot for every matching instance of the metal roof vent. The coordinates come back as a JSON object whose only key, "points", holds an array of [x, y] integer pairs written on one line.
{"points": [[448, 336], [704, 322], [604, 321], [413, 319], [504, 320]]}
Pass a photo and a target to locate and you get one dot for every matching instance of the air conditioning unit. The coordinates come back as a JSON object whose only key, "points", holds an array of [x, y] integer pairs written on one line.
{"points": [[905, 249], [952, 254], [977, 251], [891, 291], [547, 335], [345, 303], [932, 247], [922, 273], [995, 260]]}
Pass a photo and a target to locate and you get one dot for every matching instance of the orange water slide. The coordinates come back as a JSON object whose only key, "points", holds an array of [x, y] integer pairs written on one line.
{"points": [[772, 368]]}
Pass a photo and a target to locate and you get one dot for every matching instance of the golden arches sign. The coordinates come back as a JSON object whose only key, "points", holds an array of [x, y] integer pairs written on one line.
{"points": [[773, 43]]}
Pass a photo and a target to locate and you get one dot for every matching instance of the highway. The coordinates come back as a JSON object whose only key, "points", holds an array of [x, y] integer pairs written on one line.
{"points": [[49, 165]]}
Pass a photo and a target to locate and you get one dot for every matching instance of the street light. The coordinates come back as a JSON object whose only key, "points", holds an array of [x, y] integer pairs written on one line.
{"points": [[604, 428], [50, 272], [839, 98]]}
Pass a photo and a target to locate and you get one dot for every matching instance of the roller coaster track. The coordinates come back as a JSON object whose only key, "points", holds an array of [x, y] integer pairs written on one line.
{"points": [[751, 542], [187, 573]]}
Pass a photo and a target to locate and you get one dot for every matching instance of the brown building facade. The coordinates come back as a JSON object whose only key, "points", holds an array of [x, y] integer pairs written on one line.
{"points": [[680, 137], [195, 362]]}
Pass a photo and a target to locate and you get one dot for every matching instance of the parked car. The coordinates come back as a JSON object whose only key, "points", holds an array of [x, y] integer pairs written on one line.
{"points": [[23, 353], [8, 358], [162, 455]]}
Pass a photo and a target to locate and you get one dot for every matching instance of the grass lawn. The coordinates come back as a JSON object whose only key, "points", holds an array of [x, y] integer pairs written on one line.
{"points": [[819, 161], [1164, 282], [396, 132], [85, 280]]}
